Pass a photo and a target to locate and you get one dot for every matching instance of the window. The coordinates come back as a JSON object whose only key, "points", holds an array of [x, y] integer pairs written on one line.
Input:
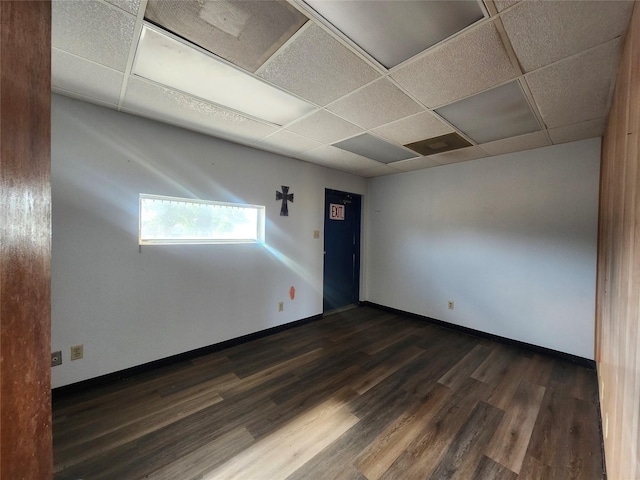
{"points": [[171, 220]]}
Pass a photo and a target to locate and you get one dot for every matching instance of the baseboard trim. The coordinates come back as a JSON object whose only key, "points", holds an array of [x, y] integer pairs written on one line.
{"points": [[585, 362], [122, 375]]}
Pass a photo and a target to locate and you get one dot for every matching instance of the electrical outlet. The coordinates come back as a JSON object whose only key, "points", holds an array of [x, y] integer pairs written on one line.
{"points": [[77, 352], [451, 305], [280, 306], [56, 358], [316, 234]]}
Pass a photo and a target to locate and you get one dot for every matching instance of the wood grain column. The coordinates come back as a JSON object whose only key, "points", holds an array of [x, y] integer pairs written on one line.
{"points": [[25, 245], [618, 294]]}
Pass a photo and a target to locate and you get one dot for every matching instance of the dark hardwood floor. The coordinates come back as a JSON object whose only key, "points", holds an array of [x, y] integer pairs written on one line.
{"points": [[362, 394]]}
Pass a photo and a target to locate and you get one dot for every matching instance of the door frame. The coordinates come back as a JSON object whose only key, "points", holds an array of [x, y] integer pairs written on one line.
{"points": [[358, 274]]}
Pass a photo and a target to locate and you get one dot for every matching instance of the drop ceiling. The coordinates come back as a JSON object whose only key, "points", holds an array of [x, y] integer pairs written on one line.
{"points": [[370, 80]]}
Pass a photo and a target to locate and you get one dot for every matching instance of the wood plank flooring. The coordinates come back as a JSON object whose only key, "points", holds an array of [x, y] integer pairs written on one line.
{"points": [[362, 394]]}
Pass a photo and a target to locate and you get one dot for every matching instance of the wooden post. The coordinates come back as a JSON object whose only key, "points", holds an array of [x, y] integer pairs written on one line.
{"points": [[25, 245]]}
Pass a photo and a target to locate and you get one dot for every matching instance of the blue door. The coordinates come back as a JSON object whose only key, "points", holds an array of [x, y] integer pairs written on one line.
{"points": [[341, 249]]}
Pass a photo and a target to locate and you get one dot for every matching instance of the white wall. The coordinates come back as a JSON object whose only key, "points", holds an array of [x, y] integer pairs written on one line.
{"points": [[129, 308], [510, 239]]}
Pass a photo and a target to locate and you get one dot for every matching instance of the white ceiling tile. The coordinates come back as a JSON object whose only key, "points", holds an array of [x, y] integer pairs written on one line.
{"points": [[576, 89], [417, 127], [376, 104], [317, 67], [176, 108], [455, 156], [579, 131], [516, 144], [378, 171], [543, 32], [324, 127], [245, 33], [288, 142], [339, 159], [130, 6], [414, 164], [500, 112], [468, 64], [74, 74], [392, 32], [93, 30]]}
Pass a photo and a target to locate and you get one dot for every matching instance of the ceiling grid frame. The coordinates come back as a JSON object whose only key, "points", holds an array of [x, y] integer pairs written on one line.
{"points": [[492, 14]]}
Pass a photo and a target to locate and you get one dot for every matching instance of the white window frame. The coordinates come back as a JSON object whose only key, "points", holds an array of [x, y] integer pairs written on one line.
{"points": [[259, 227]]}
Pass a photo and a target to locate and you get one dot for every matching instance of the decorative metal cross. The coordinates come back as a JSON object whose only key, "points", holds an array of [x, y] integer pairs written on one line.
{"points": [[284, 196]]}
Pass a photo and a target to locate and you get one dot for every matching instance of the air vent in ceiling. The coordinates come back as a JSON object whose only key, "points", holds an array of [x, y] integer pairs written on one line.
{"points": [[443, 143], [243, 33]]}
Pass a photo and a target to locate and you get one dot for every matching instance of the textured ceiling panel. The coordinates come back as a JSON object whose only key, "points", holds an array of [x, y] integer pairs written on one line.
{"points": [[317, 67], [94, 31], [130, 6], [375, 148], [340, 159], [580, 131], [414, 128], [455, 156], [516, 144], [392, 32], [378, 171], [492, 115], [166, 60], [414, 164], [80, 76], [179, 109], [288, 142], [324, 127], [245, 33], [376, 104], [463, 66], [576, 89], [544, 32]]}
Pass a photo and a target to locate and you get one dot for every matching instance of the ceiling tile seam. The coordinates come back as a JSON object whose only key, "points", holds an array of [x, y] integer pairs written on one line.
{"points": [[379, 137], [442, 43], [303, 117], [345, 41], [80, 96], [462, 161], [591, 119], [577, 54], [137, 29], [359, 89], [406, 92], [284, 47], [405, 118], [297, 151], [528, 94], [85, 59], [115, 7], [508, 47], [509, 80], [491, 8]]}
